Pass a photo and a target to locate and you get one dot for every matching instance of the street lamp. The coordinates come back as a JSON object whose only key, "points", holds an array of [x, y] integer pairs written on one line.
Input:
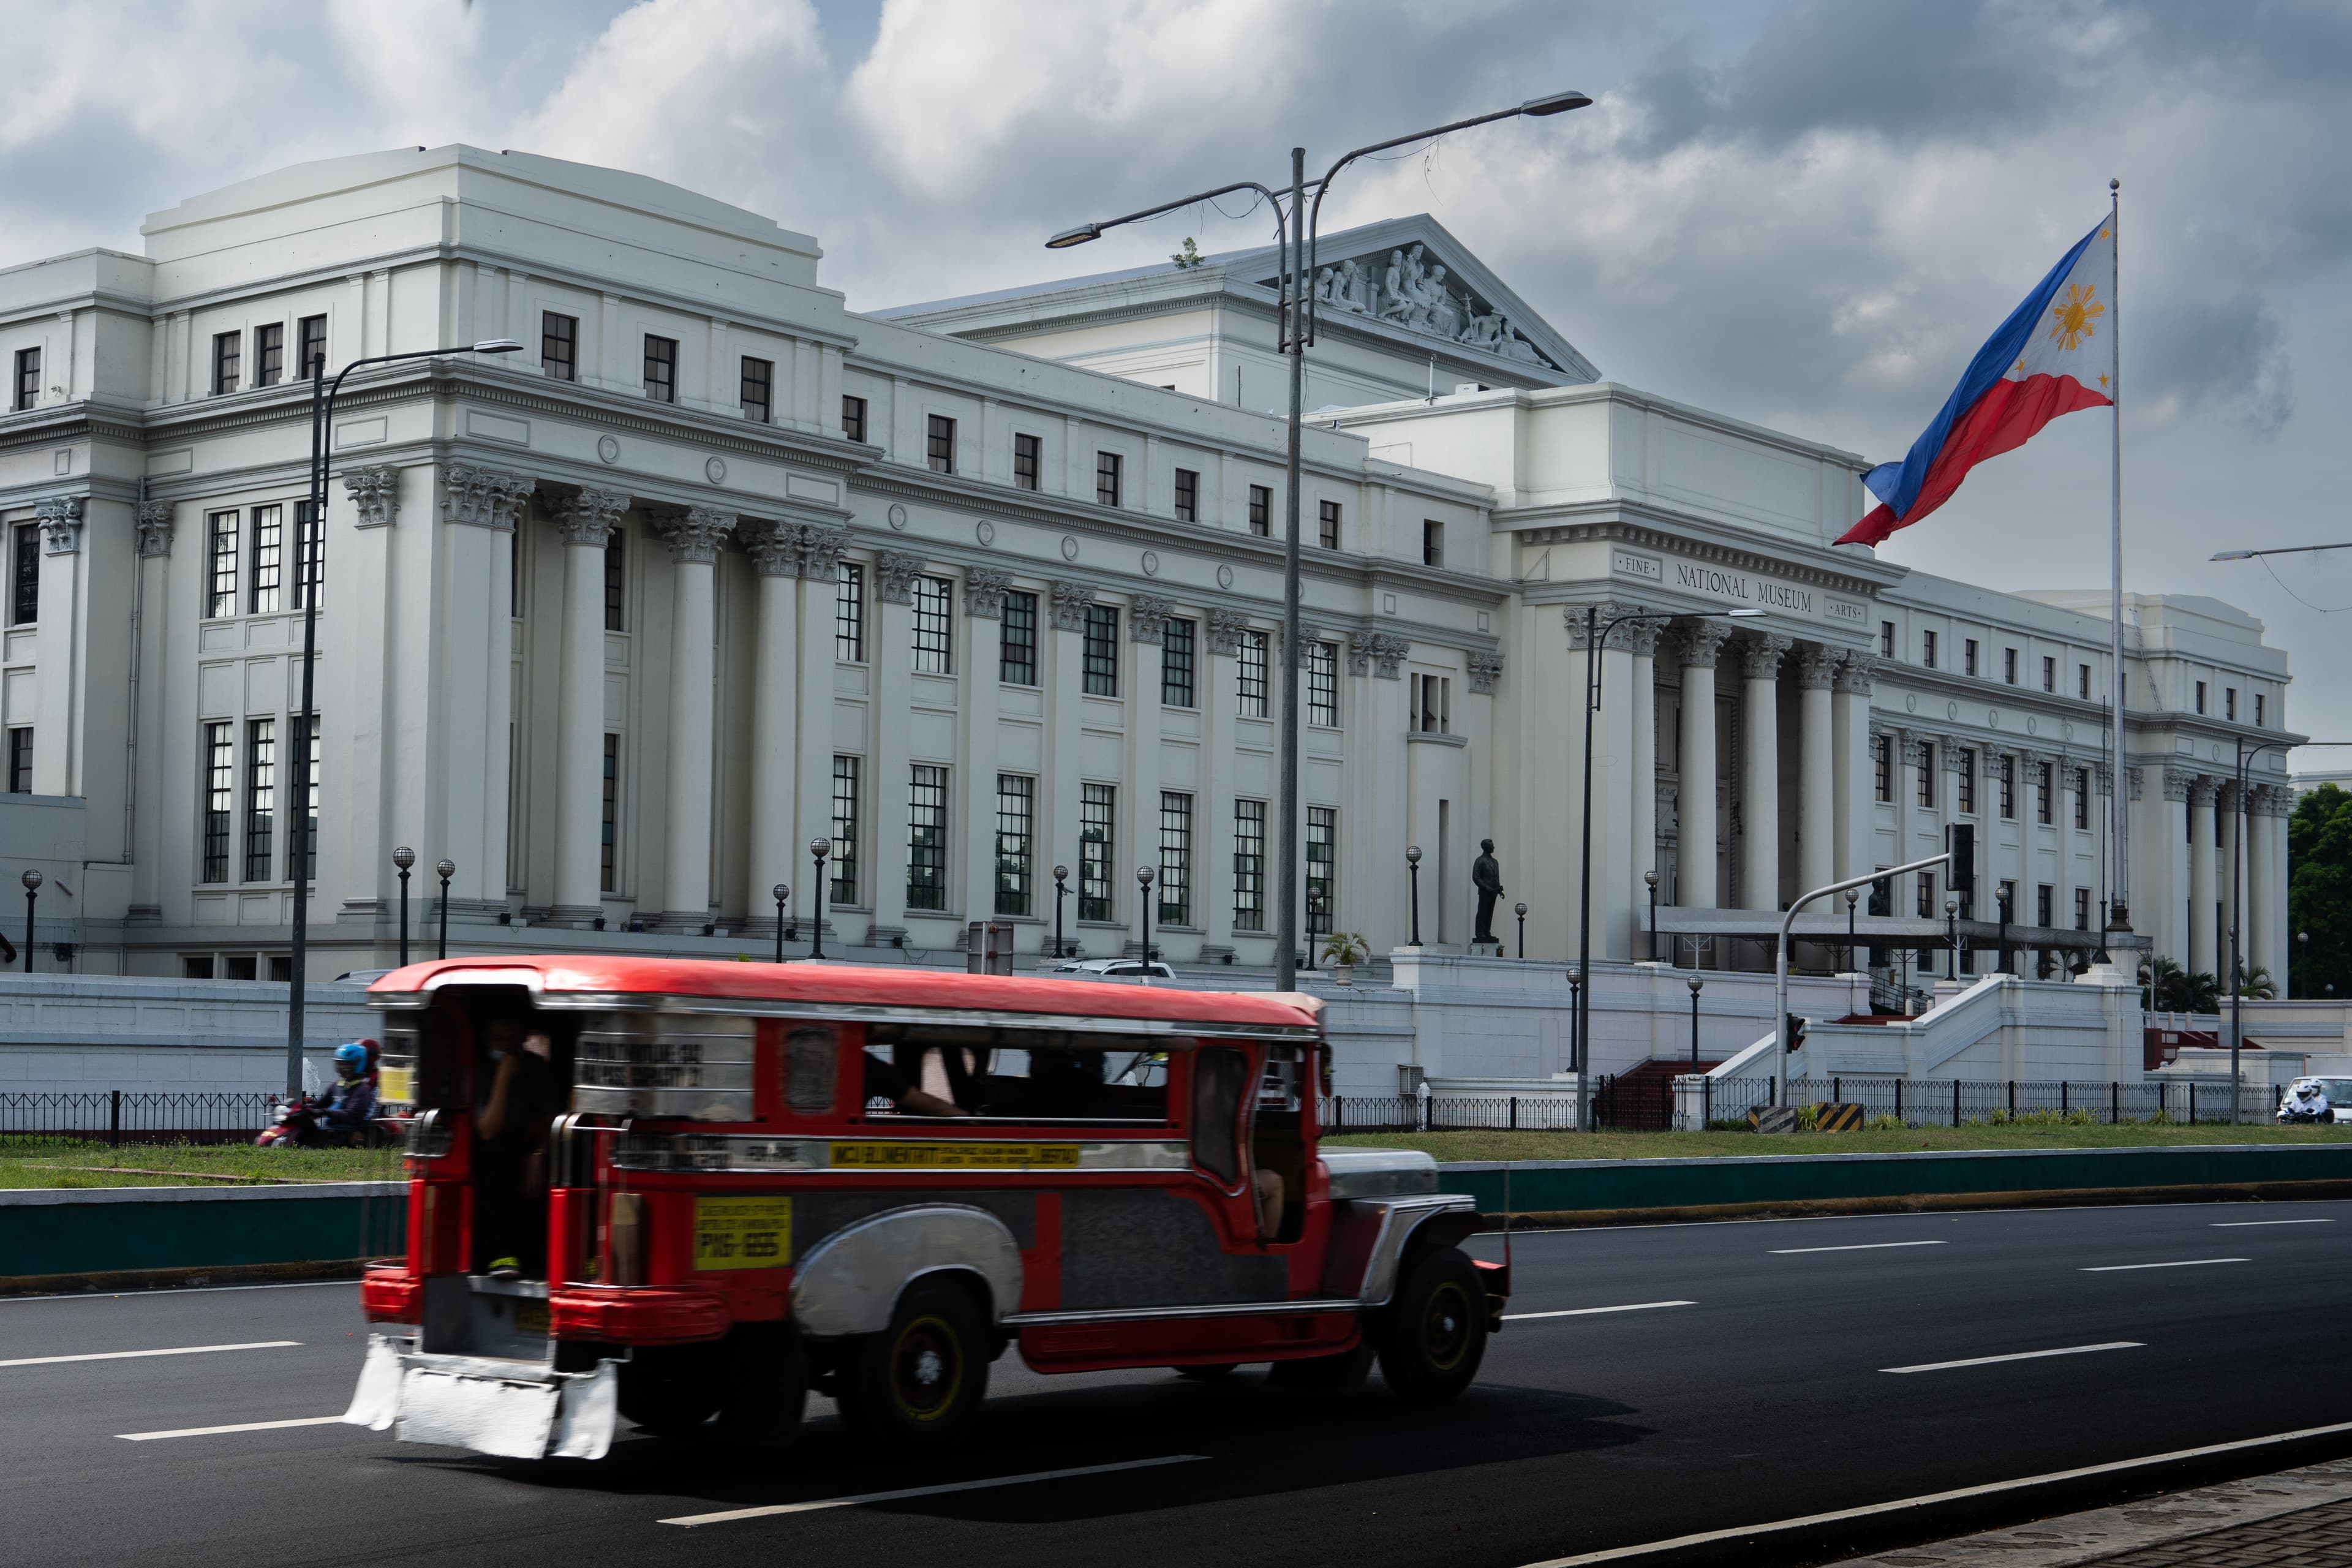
{"points": [[1294, 231], [2001, 896], [2282, 550], [1143, 875], [818, 850], [1852, 896], [1650, 879], [1595, 629], [1952, 915], [1697, 983], [782, 892], [445, 868], [404, 858], [1521, 909], [1061, 891], [1780, 956], [310, 539], [1413, 865], [32, 879]]}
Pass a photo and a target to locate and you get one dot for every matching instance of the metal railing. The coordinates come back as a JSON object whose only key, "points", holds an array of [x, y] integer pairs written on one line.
{"points": [[1957, 1102], [116, 1116], [1448, 1113]]}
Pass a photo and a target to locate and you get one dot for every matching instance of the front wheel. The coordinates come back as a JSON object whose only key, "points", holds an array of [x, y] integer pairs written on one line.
{"points": [[1432, 1335], [916, 1388]]}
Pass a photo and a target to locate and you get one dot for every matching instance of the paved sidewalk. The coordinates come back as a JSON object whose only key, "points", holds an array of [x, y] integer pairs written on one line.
{"points": [[2296, 1518]]}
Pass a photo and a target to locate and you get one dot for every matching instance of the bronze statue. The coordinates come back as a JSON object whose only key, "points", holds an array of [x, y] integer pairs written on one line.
{"points": [[1486, 876]]}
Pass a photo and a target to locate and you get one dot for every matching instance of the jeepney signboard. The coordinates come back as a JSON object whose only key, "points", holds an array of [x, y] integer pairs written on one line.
{"points": [[742, 1232], [954, 1156]]}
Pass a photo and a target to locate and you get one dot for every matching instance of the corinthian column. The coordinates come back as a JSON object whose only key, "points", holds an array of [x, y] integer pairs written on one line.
{"points": [[1702, 645], [1759, 771], [1817, 840], [1641, 637], [774, 853], [1853, 765], [586, 524], [693, 539], [2202, 954]]}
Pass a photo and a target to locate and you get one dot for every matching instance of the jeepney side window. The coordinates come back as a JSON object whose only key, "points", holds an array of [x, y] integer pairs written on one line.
{"points": [[812, 1066], [1220, 1074], [1014, 1074], [1277, 1140]]}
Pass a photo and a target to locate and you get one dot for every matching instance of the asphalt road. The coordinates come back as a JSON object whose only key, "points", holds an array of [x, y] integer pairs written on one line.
{"points": [[1764, 1398]]}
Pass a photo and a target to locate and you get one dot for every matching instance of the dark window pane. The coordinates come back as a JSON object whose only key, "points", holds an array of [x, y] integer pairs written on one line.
{"points": [[309, 570], [1327, 524], [1017, 662], [220, 551], [269, 353], [845, 829], [228, 357], [1027, 450], [260, 795], [609, 836], [661, 369], [939, 444], [1176, 665], [1097, 832], [926, 837], [25, 573], [1188, 496], [261, 596], [20, 760], [759, 389], [1260, 510], [1174, 885], [616, 582], [849, 612], [27, 389], [853, 418], [558, 341], [1107, 472], [1249, 865], [1016, 813], [1102, 651], [934, 644], [314, 345], [219, 797]]}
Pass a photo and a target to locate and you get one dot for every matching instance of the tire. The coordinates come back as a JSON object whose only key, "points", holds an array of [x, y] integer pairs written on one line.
{"points": [[915, 1389], [1209, 1373], [672, 1390], [766, 1387], [1432, 1335]]}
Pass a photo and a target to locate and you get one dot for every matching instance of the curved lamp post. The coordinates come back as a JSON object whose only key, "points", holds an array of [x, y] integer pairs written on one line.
{"points": [[402, 858], [1413, 865], [1295, 226], [1780, 959], [1143, 875], [818, 850], [446, 869]]}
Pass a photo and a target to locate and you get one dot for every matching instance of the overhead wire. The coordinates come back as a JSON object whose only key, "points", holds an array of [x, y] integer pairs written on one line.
{"points": [[2306, 604]]}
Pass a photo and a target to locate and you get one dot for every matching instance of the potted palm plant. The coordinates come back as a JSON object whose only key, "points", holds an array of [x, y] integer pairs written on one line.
{"points": [[1343, 950]]}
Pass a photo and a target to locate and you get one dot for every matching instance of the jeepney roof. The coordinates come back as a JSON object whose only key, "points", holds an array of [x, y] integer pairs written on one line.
{"points": [[861, 986]]}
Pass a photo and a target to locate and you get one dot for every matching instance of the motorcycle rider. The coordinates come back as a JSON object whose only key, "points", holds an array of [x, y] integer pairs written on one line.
{"points": [[342, 1115], [2306, 1101]]}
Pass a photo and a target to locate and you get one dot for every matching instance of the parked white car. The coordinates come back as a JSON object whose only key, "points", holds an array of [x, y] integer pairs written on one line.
{"points": [[1113, 969]]}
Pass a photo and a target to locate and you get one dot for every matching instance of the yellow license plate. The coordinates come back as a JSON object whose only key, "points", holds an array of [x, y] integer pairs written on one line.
{"points": [[742, 1232], [396, 1086], [954, 1156]]}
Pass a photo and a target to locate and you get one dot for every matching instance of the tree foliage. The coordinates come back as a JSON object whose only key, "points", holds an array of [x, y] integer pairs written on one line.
{"points": [[2319, 892], [2166, 987]]}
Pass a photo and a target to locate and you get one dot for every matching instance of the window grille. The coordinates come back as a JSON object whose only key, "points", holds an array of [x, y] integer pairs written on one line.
{"points": [[269, 353], [759, 391], [313, 349], [1326, 525], [853, 418], [25, 573], [20, 760], [309, 570], [849, 612], [1249, 865], [1102, 650], [1098, 827], [1323, 684], [1027, 451], [661, 369], [934, 644], [1016, 816], [939, 444], [1260, 510], [608, 852], [1175, 884], [846, 772], [1968, 782], [260, 795], [261, 587], [1106, 477], [926, 837], [1176, 661], [219, 797], [558, 341], [1188, 495], [228, 359], [26, 393], [1432, 542], [1016, 663], [1322, 867], [617, 582], [1249, 675]]}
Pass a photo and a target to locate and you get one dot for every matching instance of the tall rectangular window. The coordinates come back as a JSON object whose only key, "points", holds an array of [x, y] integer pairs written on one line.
{"points": [[939, 443], [219, 796], [2258, 709], [2008, 788], [934, 644], [1927, 910], [269, 353], [1260, 510], [1249, 676], [2045, 899], [1886, 640], [559, 345], [608, 850], [2042, 808], [25, 573], [2082, 681], [2082, 909], [228, 360], [261, 575], [926, 837], [1016, 659], [220, 555], [1927, 776], [2200, 697], [2082, 797], [2230, 703], [846, 772], [1175, 884], [617, 581], [1928, 649], [309, 570], [1188, 495], [1430, 711], [661, 368], [1326, 525], [1969, 657], [1102, 650], [1882, 763], [853, 418], [2049, 675], [1432, 542], [849, 613], [1967, 787], [1323, 684], [26, 390], [1016, 819], [1322, 867], [1027, 452], [1106, 477], [20, 760], [1176, 663], [1249, 865], [1098, 830], [312, 331], [759, 389], [306, 786], [2008, 664], [260, 795]]}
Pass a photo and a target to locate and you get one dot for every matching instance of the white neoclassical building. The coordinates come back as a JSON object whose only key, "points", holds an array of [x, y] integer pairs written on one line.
{"points": [[714, 566]]}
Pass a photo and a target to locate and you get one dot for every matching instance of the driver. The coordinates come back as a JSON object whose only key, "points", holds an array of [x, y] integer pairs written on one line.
{"points": [[343, 1116]]}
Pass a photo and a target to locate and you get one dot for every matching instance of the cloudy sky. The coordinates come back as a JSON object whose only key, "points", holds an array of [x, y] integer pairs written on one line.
{"points": [[1807, 213]]}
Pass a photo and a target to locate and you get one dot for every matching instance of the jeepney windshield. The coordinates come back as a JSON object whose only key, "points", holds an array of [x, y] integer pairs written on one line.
{"points": [[1017, 1075]]}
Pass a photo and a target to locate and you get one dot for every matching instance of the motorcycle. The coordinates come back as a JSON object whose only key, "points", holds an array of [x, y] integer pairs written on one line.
{"points": [[2303, 1103], [295, 1125]]}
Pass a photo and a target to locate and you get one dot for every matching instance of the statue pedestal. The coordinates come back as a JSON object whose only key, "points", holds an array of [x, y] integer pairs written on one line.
{"points": [[1486, 947]]}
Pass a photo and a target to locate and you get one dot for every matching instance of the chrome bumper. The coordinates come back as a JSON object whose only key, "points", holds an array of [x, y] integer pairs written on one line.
{"points": [[514, 1409]]}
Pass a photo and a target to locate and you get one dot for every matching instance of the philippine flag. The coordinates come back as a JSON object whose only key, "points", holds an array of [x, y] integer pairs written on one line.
{"points": [[2054, 354]]}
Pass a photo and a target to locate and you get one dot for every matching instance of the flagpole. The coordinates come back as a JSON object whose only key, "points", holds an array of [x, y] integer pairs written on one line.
{"points": [[2119, 910]]}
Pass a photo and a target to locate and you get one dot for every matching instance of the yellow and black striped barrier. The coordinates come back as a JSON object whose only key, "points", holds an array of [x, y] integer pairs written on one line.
{"points": [[1837, 1118]]}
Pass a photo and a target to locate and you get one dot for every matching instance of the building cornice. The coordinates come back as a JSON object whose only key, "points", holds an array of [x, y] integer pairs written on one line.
{"points": [[1627, 522]]}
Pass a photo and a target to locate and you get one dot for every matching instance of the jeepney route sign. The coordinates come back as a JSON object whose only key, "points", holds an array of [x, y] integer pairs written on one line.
{"points": [[952, 1156]]}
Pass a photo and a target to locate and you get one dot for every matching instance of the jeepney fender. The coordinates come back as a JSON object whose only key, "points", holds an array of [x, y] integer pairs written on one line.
{"points": [[851, 1281], [1369, 1236]]}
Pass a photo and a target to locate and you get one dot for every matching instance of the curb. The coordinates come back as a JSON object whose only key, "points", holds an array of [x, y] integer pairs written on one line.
{"points": [[1926, 1203], [130, 1281]]}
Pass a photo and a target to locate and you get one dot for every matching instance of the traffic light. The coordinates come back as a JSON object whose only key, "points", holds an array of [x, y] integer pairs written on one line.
{"points": [[1793, 1031], [1963, 868]]}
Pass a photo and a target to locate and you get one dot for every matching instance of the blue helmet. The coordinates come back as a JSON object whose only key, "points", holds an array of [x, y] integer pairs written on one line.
{"points": [[351, 1055]]}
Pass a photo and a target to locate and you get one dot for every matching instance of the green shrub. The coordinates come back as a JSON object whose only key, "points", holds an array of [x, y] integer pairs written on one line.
{"points": [[1809, 1119], [1886, 1121]]}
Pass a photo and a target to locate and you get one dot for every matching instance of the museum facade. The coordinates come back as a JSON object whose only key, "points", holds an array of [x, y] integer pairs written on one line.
{"points": [[975, 590]]}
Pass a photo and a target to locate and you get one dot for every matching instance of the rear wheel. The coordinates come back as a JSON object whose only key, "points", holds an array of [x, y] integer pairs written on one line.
{"points": [[916, 1388], [1432, 1335], [670, 1390]]}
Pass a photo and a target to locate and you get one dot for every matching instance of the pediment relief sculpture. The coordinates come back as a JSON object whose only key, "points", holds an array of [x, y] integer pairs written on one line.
{"points": [[1406, 289]]}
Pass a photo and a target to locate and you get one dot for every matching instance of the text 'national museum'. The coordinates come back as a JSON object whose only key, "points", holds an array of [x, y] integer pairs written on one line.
{"points": [[618, 624]]}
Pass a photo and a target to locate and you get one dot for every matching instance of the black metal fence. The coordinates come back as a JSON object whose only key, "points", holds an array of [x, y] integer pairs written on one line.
{"points": [[124, 1116], [1448, 1113], [1957, 1102]]}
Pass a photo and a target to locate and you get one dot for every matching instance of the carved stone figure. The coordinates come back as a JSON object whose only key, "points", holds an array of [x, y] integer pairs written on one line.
{"points": [[1486, 876], [1394, 301], [1354, 289]]}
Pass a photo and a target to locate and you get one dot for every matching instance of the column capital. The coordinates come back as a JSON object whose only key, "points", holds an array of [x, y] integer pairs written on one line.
{"points": [[1817, 667], [774, 547], [894, 572], [822, 550], [1383, 651], [1070, 601], [694, 535], [1308, 636], [1485, 668], [1702, 642], [1225, 629], [1759, 655], [984, 588], [1607, 610], [589, 518], [1641, 637], [59, 519], [1854, 672], [2177, 784], [375, 497], [1146, 617], [155, 528]]}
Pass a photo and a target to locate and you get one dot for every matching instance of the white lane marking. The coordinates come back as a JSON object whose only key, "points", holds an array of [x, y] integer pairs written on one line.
{"points": [[2021, 1355], [2243, 1224], [1991, 1489], [1857, 1246], [2184, 1263], [134, 1355], [1593, 1311], [240, 1426], [820, 1504]]}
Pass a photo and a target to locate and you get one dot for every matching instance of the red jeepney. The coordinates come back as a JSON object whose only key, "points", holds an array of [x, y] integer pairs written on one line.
{"points": [[678, 1191]]}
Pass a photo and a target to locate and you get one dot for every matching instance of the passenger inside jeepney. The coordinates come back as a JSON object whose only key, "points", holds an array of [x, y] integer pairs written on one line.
{"points": [[1011, 1074], [901, 1087], [511, 1124]]}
